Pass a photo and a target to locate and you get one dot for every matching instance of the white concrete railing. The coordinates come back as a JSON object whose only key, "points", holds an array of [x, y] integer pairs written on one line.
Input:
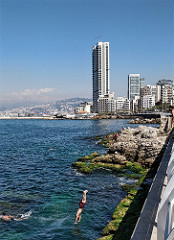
{"points": [[165, 221]]}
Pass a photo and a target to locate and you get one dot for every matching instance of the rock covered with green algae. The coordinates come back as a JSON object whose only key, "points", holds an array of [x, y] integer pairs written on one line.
{"points": [[112, 162], [118, 215], [89, 167], [125, 216], [109, 237], [88, 157]]}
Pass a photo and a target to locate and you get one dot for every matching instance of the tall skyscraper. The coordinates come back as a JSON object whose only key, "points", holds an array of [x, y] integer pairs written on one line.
{"points": [[100, 72], [134, 85]]}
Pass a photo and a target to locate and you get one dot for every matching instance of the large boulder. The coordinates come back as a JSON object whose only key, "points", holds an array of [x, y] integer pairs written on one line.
{"points": [[149, 133]]}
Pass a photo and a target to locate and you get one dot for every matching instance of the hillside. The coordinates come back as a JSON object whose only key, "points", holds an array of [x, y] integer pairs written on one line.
{"points": [[59, 107]]}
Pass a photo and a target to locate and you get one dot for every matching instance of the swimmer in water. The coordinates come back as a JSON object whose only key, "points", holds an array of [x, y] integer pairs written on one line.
{"points": [[81, 205], [6, 217]]}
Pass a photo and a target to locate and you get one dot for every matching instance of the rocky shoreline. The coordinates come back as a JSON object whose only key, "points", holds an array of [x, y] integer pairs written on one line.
{"points": [[139, 146], [134, 153], [145, 121]]}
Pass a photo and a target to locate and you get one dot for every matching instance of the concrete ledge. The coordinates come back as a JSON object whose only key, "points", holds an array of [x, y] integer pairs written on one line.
{"points": [[146, 221]]}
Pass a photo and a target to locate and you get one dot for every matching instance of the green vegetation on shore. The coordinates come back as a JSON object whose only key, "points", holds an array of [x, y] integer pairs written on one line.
{"points": [[86, 165], [125, 216], [89, 167], [128, 210], [88, 157]]}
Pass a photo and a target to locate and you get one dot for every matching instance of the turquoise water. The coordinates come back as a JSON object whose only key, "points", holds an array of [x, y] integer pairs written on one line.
{"points": [[36, 175]]}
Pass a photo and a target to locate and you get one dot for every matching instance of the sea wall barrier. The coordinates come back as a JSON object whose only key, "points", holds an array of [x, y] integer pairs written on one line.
{"points": [[156, 219], [165, 221]]}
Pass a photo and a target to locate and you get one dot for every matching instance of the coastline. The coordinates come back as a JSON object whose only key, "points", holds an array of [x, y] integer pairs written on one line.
{"points": [[150, 118], [138, 154], [29, 118]]}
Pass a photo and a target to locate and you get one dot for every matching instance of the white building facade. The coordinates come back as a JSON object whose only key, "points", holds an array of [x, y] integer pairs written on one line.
{"points": [[148, 97], [147, 102], [83, 107], [123, 105], [107, 103], [135, 104], [100, 72], [167, 94]]}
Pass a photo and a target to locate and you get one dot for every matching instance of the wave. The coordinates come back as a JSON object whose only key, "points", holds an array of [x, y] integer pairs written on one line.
{"points": [[55, 220]]}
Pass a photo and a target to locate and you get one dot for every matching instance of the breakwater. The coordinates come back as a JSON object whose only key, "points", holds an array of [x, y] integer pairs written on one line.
{"points": [[145, 121]]}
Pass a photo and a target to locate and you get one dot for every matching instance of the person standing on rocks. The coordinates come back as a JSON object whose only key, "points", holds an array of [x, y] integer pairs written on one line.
{"points": [[81, 205], [172, 110]]}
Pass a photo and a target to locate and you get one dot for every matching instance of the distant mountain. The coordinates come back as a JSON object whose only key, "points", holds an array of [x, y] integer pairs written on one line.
{"points": [[65, 106], [68, 105]]}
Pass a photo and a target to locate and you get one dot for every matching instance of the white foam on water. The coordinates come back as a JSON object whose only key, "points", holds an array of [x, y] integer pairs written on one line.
{"points": [[25, 215], [77, 173], [59, 222], [55, 219], [45, 219]]}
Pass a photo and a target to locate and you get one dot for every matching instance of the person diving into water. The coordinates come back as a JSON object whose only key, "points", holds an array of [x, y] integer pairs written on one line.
{"points": [[81, 205]]}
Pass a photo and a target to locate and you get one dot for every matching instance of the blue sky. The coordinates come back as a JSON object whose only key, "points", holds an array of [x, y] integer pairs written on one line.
{"points": [[46, 45]]}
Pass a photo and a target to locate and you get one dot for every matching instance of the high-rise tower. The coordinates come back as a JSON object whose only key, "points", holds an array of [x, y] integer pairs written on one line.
{"points": [[101, 72], [134, 85]]}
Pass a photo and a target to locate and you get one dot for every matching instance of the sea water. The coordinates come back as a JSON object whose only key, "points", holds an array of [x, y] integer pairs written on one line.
{"points": [[36, 176]]}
